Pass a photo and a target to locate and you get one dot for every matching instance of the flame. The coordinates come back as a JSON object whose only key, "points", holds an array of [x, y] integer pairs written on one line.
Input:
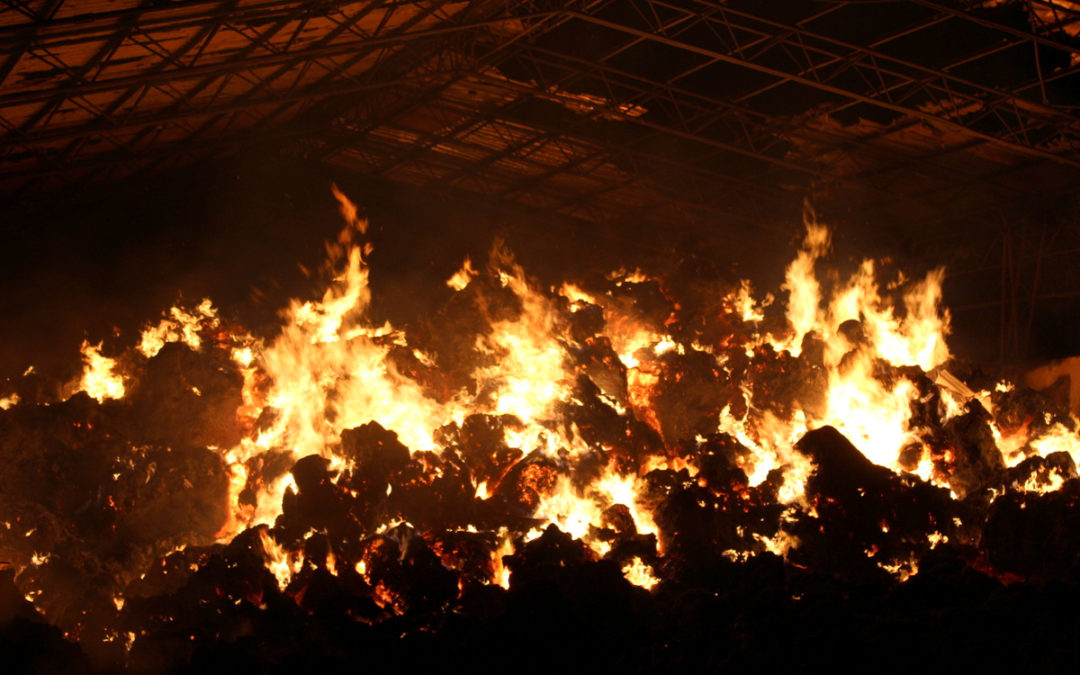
{"points": [[330, 371], [179, 325], [639, 574], [530, 373], [742, 303], [872, 416], [463, 276], [99, 379], [280, 562], [1057, 438], [772, 441], [238, 514], [501, 573], [349, 213], [804, 291], [580, 512], [243, 356], [1018, 444], [778, 544], [569, 509], [625, 490], [902, 569], [857, 326]]}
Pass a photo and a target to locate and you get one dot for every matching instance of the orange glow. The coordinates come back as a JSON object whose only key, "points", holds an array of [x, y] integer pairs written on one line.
{"points": [[180, 325], [640, 574], [99, 379], [333, 368]]}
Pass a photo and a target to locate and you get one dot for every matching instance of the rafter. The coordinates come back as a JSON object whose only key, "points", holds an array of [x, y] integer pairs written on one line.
{"points": [[948, 84], [706, 104], [250, 63]]}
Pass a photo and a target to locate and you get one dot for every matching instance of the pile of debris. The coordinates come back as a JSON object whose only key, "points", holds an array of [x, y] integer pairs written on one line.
{"points": [[646, 516]]}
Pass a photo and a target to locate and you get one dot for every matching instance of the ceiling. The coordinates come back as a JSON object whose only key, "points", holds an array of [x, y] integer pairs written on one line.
{"points": [[929, 118]]}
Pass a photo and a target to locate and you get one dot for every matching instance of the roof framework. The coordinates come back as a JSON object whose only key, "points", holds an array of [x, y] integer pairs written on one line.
{"points": [[666, 111]]}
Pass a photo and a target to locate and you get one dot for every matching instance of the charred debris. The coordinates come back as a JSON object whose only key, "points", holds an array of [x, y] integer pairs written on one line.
{"points": [[113, 514]]}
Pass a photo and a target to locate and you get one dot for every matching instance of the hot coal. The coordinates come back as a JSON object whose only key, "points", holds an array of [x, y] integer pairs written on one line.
{"points": [[866, 517], [182, 397], [1042, 472], [1035, 536], [787, 382], [424, 598], [30, 645], [977, 462], [1038, 411], [95, 508]]}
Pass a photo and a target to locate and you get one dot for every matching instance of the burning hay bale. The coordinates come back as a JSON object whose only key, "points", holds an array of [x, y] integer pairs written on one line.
{"points": [[976, 460], [184, 397], [658, 470], [865, 516], [27, 642], [1035, 536], [86, 509]]}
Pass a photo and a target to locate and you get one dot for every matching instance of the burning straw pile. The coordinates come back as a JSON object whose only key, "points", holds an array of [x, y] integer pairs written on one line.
{"points": [[628, 472]]}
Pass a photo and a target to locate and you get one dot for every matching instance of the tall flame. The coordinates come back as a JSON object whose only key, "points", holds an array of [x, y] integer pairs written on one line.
{"points": [[99, 379]]}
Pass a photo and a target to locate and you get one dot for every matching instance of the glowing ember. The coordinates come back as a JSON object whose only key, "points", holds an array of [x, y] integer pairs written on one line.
{"points": [[639, 574], [179, 325]]}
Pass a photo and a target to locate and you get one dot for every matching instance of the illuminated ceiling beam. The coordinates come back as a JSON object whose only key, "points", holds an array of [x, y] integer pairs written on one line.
{"points": [[784, 34]]}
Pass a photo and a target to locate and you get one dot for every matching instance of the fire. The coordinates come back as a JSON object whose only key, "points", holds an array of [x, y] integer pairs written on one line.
{"points": [[1057, 438], [743, 303], [238, 514], [281, 563], [873, 416], [572, 511], [179, 325], [803, 311], [501, 573], [463, 276], [575, 409], [329, 368], [530, 373], [99, 379], [640, 574]]}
